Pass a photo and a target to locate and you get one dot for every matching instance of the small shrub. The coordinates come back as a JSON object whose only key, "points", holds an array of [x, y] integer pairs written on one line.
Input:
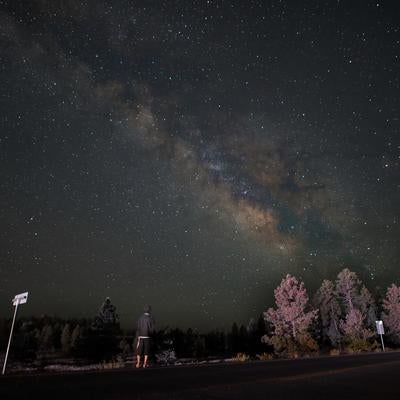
{"points": [[307, 345], [241, 357], [357, 345], [287, 347], [264, 356], [166, 357], [112, 364], [334, 352]]}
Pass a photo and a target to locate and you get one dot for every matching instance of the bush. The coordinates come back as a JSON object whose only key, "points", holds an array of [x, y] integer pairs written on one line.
{"points": [[264, 356], [334, 352], [241, 357], [117, 363], [307, 344], [166, 357], [287, 347], [358, 345]]}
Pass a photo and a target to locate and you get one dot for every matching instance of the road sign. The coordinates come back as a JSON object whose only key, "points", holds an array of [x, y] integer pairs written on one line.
{"points": [[379, 327], [20, 298], [381, 331], [17, 300]]}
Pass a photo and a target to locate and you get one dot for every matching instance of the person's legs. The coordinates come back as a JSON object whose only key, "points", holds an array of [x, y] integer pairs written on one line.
{"points": [[139, 351], [146, 351]]}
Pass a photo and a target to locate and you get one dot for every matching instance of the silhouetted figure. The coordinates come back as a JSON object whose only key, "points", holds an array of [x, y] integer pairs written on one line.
{"points": [[144, 331], [107, 313], [103, 334]]}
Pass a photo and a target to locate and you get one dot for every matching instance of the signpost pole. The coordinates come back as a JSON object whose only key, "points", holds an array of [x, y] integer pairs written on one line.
{"points": [[9, 340], [381, 331], [21, 298]]}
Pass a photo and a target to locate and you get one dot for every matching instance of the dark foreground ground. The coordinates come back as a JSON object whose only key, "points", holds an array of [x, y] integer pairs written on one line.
{"points": [[370, 376]]}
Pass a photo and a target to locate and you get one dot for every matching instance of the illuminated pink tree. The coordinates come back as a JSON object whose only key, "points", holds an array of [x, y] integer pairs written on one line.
{"points": [[347, 289], [291, 317], [354, 328], [291, 320], [358, 308], [391, 315]]}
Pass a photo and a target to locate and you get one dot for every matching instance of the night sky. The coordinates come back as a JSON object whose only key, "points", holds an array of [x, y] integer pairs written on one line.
{"points": [[189, 154]]}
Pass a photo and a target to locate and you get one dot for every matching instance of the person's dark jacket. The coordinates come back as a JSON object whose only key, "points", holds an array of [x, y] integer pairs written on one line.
{"points": [[145, 325]]}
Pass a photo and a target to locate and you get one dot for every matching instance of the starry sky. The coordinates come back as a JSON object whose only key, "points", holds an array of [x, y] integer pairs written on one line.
{"points": [[189, 154]]}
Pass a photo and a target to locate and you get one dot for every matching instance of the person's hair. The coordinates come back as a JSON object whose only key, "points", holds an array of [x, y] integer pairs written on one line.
{"points": [[147, 308]]}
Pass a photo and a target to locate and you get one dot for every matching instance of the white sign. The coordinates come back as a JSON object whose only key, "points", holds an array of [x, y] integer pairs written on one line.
{"points": [[17, 300], [20, 299], [379, 327]]}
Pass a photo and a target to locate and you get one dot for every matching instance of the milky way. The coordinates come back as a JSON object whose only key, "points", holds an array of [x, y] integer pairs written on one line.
{"points": [[188, 154]]}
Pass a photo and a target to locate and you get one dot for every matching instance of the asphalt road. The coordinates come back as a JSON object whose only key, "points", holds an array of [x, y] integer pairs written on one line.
{"points": [[369, 376]]}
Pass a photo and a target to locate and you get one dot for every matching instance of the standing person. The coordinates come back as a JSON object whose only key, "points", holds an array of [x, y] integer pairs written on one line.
{"points": [[145, 328]]}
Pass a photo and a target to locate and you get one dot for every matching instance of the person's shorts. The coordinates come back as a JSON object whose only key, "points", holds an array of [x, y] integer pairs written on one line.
{"points": [[143, 347]]}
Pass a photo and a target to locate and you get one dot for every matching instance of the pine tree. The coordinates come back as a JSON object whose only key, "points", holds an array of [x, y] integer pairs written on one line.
{"points": [[354, 328], [391, 314], [290, 317], [366, 304], [291, 320], [46, 339], [347, 289], [234, 338], [359, 310], [66, 339], [329, 311], [76, 333]]}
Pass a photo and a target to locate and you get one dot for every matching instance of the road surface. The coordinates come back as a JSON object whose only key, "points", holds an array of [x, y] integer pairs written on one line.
{"points": [[368, 376]]}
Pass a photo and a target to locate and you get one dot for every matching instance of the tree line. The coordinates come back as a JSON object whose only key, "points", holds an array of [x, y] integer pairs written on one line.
{"points": [[339, 318], [42, 340]]}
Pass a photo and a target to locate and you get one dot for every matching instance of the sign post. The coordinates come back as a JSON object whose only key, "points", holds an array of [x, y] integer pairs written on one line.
{"points": [[381, 332], [17, 300]]}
